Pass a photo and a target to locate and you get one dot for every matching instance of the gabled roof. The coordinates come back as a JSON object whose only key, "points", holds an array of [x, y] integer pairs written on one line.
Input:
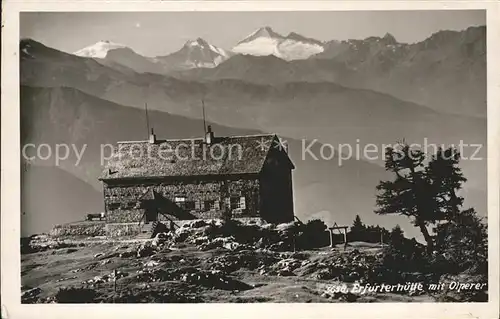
{"points": [[190, 157]]}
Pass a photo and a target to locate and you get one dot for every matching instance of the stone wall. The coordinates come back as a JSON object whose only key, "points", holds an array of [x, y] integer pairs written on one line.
{"points": [[124, 216], [122, 229], [84, 229]]}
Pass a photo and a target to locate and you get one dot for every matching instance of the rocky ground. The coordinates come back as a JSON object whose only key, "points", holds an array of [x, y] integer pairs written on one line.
{"points": [[200, 262]]}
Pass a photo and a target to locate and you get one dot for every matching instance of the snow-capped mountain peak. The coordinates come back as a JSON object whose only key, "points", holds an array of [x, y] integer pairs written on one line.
{"points": [[264, 32], [195, 54], [265, 41], [99, 49], [198, 42], [203, 45]]}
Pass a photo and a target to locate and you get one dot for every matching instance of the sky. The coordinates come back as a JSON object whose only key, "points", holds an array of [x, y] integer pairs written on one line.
{"points": [[160, 33]]}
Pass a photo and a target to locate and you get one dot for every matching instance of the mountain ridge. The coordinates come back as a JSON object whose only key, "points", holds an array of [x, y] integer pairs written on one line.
{"points": [[447, 71]]}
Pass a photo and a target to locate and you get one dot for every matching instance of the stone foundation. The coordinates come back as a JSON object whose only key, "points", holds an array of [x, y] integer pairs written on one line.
{"points": [[125, 229]]}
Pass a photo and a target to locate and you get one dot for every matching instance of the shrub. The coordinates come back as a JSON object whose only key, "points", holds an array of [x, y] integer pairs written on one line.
{"points": [[462, 244], [407, 256], [315, 225], [313, 234], [404, 255]]}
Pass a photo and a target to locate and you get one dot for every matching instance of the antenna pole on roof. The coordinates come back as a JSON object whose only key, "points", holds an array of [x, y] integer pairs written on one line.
{"points": [[147, 119], [204, 122]]}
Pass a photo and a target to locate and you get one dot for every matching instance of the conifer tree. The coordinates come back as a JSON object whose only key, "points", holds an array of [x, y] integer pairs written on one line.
{"points": [[446, 178], [409, 194], [396, 236], [357, 225], [425, 193]]}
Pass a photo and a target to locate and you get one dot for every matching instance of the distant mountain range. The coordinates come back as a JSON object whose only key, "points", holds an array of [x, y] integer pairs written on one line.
{"points": [[194, 54], [446, 71], [356, 92]]}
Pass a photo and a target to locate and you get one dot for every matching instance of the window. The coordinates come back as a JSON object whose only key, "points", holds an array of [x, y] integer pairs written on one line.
{"points": [[183, 203], [131, 205], [209, 204], [113, 206], [238, 202], [243, 204], [199, 205], [212, 204], [180, 199], [189, 205]]}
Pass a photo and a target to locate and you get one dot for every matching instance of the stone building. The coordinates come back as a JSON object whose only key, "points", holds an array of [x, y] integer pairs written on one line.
{"points": [[201, 178]]}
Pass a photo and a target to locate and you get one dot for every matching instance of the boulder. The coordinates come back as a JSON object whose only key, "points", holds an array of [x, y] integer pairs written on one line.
{"points": [[198, 223], [159, 239], [145, 251], [127, 254], [151, 263]]}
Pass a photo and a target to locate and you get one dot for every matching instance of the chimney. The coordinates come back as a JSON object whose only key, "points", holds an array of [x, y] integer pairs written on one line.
{"points": [[152, 137], [209, 135]]}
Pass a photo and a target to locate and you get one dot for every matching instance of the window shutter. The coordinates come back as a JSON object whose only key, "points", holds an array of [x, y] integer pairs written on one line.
{"points": [[242, 202], [217, 205], [197, 204]]}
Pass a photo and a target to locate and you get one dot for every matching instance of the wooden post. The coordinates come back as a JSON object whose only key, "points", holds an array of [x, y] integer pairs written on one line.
{"points": [[345, 238], [338, 228], [331, 238]]}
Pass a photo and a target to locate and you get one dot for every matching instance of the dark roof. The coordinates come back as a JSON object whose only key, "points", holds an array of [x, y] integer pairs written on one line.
{"points": [[185, 157]]}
